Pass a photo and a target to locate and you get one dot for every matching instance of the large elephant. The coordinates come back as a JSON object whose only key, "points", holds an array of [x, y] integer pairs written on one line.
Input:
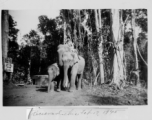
{"points": [[53, 75], [73, 67]]}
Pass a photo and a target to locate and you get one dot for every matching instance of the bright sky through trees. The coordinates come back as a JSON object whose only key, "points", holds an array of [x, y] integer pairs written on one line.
{"points": [[28, 19]]}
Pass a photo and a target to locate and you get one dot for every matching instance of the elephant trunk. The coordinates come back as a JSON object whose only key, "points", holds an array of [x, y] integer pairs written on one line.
{"points": [[60, 59], [66, 79]]}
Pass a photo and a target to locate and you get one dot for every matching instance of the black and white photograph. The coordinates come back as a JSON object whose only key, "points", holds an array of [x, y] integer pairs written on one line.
{"points": [[74, 57]]}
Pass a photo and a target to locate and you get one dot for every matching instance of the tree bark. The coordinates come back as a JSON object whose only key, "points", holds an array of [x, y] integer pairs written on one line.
{"points": [[135, 32], [100, 47], [118, 48], [29, 72], [5, 33], [79, 24], [122, 32], [40, 67], [65, 38]]}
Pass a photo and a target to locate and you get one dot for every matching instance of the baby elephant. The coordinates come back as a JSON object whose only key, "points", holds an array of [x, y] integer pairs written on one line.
{"points": [[53, 73]]}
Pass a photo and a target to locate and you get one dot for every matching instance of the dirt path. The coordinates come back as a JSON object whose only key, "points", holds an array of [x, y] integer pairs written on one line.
{"points": [[33, 96]]}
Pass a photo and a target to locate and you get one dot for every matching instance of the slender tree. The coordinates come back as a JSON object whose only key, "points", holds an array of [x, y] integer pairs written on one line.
{"points": [[64, 32], [135, 36], [31, 49], [117, 59], [5, 34], [100, 47]]}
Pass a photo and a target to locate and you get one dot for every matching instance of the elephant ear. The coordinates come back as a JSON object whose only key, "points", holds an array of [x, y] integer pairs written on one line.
{"points": [[75, 58], [58, 71]]}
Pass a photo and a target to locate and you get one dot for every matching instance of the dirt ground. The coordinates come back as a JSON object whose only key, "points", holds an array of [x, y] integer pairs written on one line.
{"points": [[32, 95]]}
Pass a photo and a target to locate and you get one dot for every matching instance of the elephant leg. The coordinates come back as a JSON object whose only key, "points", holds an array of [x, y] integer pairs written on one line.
{"points": [[59, 85], [50, 86], [76, 82], [60, 78], [50, 83], [80, 83], [72, 82]]}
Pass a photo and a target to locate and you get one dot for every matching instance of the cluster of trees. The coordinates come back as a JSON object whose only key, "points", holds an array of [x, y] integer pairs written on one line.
{"points": [[113, 43]]}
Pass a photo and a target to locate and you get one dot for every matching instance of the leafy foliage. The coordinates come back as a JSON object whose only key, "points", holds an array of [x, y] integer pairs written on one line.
{"points": [[81, 29], [13, 45], [52, 37]]}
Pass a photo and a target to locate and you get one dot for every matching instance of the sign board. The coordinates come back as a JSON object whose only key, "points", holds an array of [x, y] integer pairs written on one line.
{"points": [[9, 67]]}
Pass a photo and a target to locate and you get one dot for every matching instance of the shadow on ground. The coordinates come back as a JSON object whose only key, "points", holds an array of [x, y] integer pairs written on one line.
{"points": [[107, 100], [103, 100], [44, 89]]}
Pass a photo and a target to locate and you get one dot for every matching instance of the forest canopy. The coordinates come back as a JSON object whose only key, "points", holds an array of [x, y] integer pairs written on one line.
{"points": [[113, 42]]}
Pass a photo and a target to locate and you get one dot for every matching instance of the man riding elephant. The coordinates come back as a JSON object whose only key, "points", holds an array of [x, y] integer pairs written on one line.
{"points": [[72, 65]]}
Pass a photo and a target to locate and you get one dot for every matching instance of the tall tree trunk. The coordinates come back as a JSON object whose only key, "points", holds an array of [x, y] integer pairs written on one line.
{"points": [[80, 38], [64, 28], [122, 32], [29, 72], [95, 68], [29, 67], [40, 67], [100, 51], [5, 33], [41, 52], [100, 47], [118, 52], [79, 24], [135, 34]]}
